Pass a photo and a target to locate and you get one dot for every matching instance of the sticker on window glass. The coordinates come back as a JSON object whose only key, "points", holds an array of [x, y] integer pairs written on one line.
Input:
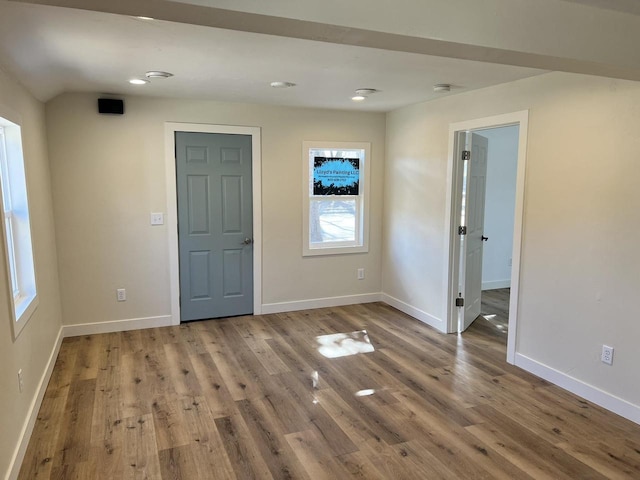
{"points": [[336, 176]]}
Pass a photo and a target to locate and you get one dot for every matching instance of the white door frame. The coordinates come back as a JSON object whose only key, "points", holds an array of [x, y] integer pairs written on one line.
{"points": [[170, 130], [452, 239]]}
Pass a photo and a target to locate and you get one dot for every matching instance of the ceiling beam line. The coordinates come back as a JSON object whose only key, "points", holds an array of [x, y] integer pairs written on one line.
{"points": [[321, 32]]}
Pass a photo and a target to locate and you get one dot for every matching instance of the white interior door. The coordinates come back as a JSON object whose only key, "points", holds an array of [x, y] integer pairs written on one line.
{"points": [[472, 216]]}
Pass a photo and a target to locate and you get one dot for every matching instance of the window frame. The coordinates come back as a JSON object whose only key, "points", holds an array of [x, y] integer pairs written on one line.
{"points": [[8, 216], [16, 227], [361, 242]]}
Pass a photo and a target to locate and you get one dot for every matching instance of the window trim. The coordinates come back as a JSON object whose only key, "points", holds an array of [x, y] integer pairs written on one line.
{"points": [[362, 221], [21, 269], [8, 216]]}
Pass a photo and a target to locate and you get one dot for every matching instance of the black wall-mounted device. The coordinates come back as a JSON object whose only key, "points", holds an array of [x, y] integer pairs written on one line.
{"points": [[110, 106]]}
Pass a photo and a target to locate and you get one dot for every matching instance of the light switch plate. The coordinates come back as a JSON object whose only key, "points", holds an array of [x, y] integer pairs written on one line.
{"points": [[157, 219]]}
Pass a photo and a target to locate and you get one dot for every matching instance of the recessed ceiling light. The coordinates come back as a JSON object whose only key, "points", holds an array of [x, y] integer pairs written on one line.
{"points": [[138, 81], [158, 74], [364, 92], [282, 84], [442, 88], [145, 18]]}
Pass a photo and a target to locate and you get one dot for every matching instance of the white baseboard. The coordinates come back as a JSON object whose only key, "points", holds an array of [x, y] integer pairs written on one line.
{"points": [[416, 313], [116, 326], [495, 284], [319, 303], [606, 400], [32, 415]]}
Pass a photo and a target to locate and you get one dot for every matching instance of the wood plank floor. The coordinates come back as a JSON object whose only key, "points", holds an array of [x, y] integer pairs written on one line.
{"points": [[495, 308], [256, 397]]}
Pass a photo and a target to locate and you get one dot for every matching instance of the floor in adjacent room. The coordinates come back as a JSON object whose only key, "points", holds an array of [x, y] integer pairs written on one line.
{"points": [[495, 308], [310, 395]]}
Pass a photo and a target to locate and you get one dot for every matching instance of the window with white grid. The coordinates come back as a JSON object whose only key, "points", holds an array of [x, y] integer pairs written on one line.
{"points": [[336, 188]]}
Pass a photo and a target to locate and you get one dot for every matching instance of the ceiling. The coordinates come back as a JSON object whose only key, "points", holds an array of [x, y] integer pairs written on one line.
{"points": [[231, 50], [52, 50], [626, 6]]}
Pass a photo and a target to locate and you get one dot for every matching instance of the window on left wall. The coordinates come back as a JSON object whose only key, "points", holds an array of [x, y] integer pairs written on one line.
{"points": [[16, 226]]}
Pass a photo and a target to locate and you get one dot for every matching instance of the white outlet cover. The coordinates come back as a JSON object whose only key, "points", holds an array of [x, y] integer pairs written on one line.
{"points": [[157, 219], [607, 355]]}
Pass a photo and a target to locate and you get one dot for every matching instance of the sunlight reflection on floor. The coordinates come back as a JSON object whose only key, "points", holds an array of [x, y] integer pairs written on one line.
{"points": [[344, 344]]}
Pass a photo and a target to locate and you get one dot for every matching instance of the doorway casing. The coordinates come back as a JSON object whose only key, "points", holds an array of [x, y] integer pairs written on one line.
{"points": [[172, 206], [453, 201]]}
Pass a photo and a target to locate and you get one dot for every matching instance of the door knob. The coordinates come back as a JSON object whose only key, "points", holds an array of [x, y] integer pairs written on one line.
{"points": [[247, 241], [483, 238]]}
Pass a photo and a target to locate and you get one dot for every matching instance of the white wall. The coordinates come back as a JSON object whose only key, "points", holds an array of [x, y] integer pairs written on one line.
{"points": [[108, 175], [579, 255], [37, 341], [499, 207]]}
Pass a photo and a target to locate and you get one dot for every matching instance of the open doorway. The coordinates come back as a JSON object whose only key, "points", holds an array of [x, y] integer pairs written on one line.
{"points": [[499, 215], [468, 233]]}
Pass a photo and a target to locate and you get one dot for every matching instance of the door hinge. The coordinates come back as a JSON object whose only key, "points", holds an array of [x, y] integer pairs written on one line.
{"points": [[459, 302], [466, 155], [462, 230]]}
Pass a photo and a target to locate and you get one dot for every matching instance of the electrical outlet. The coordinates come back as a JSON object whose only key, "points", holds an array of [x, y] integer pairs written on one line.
{"points": [[361, 274], [121, 294], [607, 355], [20, 381], [157, 219]]}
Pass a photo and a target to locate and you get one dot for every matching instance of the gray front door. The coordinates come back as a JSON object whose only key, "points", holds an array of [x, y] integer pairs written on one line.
{"points": [[215, 225]]}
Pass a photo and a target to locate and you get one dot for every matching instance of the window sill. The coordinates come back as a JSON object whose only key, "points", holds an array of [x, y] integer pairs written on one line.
{"points": [[341, 250], [23, 311]]}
